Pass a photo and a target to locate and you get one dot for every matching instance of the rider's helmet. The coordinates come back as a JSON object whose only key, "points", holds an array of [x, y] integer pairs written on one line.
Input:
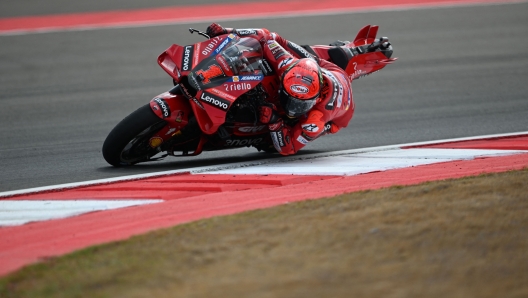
{"points": [[301, 85]]}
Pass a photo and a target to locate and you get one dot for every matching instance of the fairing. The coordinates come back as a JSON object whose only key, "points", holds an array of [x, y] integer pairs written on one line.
{"points": [[214, 73]]}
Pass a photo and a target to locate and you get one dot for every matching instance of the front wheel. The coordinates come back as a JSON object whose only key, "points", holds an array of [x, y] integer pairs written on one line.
{"points": [[128, 142]]}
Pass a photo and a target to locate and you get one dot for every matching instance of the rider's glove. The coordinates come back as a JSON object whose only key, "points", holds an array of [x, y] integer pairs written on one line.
{"points": [[278, 125], [215, 29], [268, 114]]}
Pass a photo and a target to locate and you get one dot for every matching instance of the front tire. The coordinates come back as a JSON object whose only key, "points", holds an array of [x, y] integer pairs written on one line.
{"points": [[128, 142]]}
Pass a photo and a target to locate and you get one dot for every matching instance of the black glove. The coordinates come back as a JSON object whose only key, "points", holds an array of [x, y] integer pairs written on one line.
{"points": [[215, 29]]}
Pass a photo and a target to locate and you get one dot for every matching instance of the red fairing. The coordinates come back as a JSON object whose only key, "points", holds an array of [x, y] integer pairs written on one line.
{"points": [[170, 58], [212, 76], [174, 109]]}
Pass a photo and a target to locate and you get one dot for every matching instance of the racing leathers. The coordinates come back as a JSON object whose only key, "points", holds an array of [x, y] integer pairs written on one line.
{"points": [[334, 107]]}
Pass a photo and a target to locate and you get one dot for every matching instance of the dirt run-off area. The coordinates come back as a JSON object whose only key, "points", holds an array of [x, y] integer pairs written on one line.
{"points": [[455, 238]]}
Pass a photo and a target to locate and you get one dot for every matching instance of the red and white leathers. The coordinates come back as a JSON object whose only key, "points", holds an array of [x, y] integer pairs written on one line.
{"points": [[333, 109]]}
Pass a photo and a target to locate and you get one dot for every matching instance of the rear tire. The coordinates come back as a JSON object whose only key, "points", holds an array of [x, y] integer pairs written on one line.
{"points": [[128, 142]]}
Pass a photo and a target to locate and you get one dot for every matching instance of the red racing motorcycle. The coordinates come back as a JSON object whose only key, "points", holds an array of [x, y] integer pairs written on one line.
{"points": [[218, 86]]}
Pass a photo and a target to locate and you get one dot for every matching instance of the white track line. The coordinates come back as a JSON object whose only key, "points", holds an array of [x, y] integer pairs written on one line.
{"points": [[18, 212], [198, 170], [368, 162]]}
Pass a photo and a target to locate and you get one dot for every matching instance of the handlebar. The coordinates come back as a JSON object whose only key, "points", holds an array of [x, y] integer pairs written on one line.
{"points": [[192, 30], [382, 42]]}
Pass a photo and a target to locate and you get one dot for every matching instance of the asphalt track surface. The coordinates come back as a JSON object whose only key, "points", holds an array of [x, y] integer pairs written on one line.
{"points": [[462, 71]]}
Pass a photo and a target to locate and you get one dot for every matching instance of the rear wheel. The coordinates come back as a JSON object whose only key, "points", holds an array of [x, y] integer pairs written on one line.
{"points": [[128, 142]]}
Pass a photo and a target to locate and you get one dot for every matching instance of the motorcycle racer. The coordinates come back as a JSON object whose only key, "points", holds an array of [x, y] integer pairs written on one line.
{"points": [[314, 90]]}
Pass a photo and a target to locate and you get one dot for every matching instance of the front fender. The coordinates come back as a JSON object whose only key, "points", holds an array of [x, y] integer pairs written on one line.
{"points": [[173, 108]]}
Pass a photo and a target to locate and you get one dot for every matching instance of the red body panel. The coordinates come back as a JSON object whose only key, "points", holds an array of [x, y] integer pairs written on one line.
{"points": [[210, 103], [175, 109]]}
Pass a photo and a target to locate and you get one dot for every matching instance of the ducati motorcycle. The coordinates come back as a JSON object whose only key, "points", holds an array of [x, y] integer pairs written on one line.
{"points": [[218, 86]]}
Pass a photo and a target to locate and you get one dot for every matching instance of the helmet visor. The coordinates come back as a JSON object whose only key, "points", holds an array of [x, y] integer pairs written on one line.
{"points": [[295, 107]]}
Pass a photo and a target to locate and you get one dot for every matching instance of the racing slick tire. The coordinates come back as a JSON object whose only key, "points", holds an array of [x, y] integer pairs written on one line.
{"points": [[128, 142]]}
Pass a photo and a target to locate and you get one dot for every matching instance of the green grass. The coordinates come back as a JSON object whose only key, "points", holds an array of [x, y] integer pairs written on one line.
{"points": [[453, 238]]}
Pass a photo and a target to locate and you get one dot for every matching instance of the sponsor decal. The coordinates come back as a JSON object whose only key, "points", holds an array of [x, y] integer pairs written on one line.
{"points": [[285, 62], [265, 67], [332, 103], [179, 116], [300, 51], [279, 54], [214, 101], [280, 138], [155, 142], [209, 47], [306, 79], [246, 32], [252, 78], [349, 101], [302, 140], [272, 44], [163, 106], [224, 43], [275, 50], [186, 59], [198, 103], [247, 78], [196, 55], [186, 92], [358, 73], [243, 142], [275, 141], [222, 94], [223, 62], [299, 89], [195, 83], [170, 131], [212, 72], [310, 127], [251, 129], [237, 86]]}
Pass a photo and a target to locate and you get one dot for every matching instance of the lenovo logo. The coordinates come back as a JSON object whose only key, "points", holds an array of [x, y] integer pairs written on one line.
{"points": [[186, 61], [214, 101], [163, 106]]}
